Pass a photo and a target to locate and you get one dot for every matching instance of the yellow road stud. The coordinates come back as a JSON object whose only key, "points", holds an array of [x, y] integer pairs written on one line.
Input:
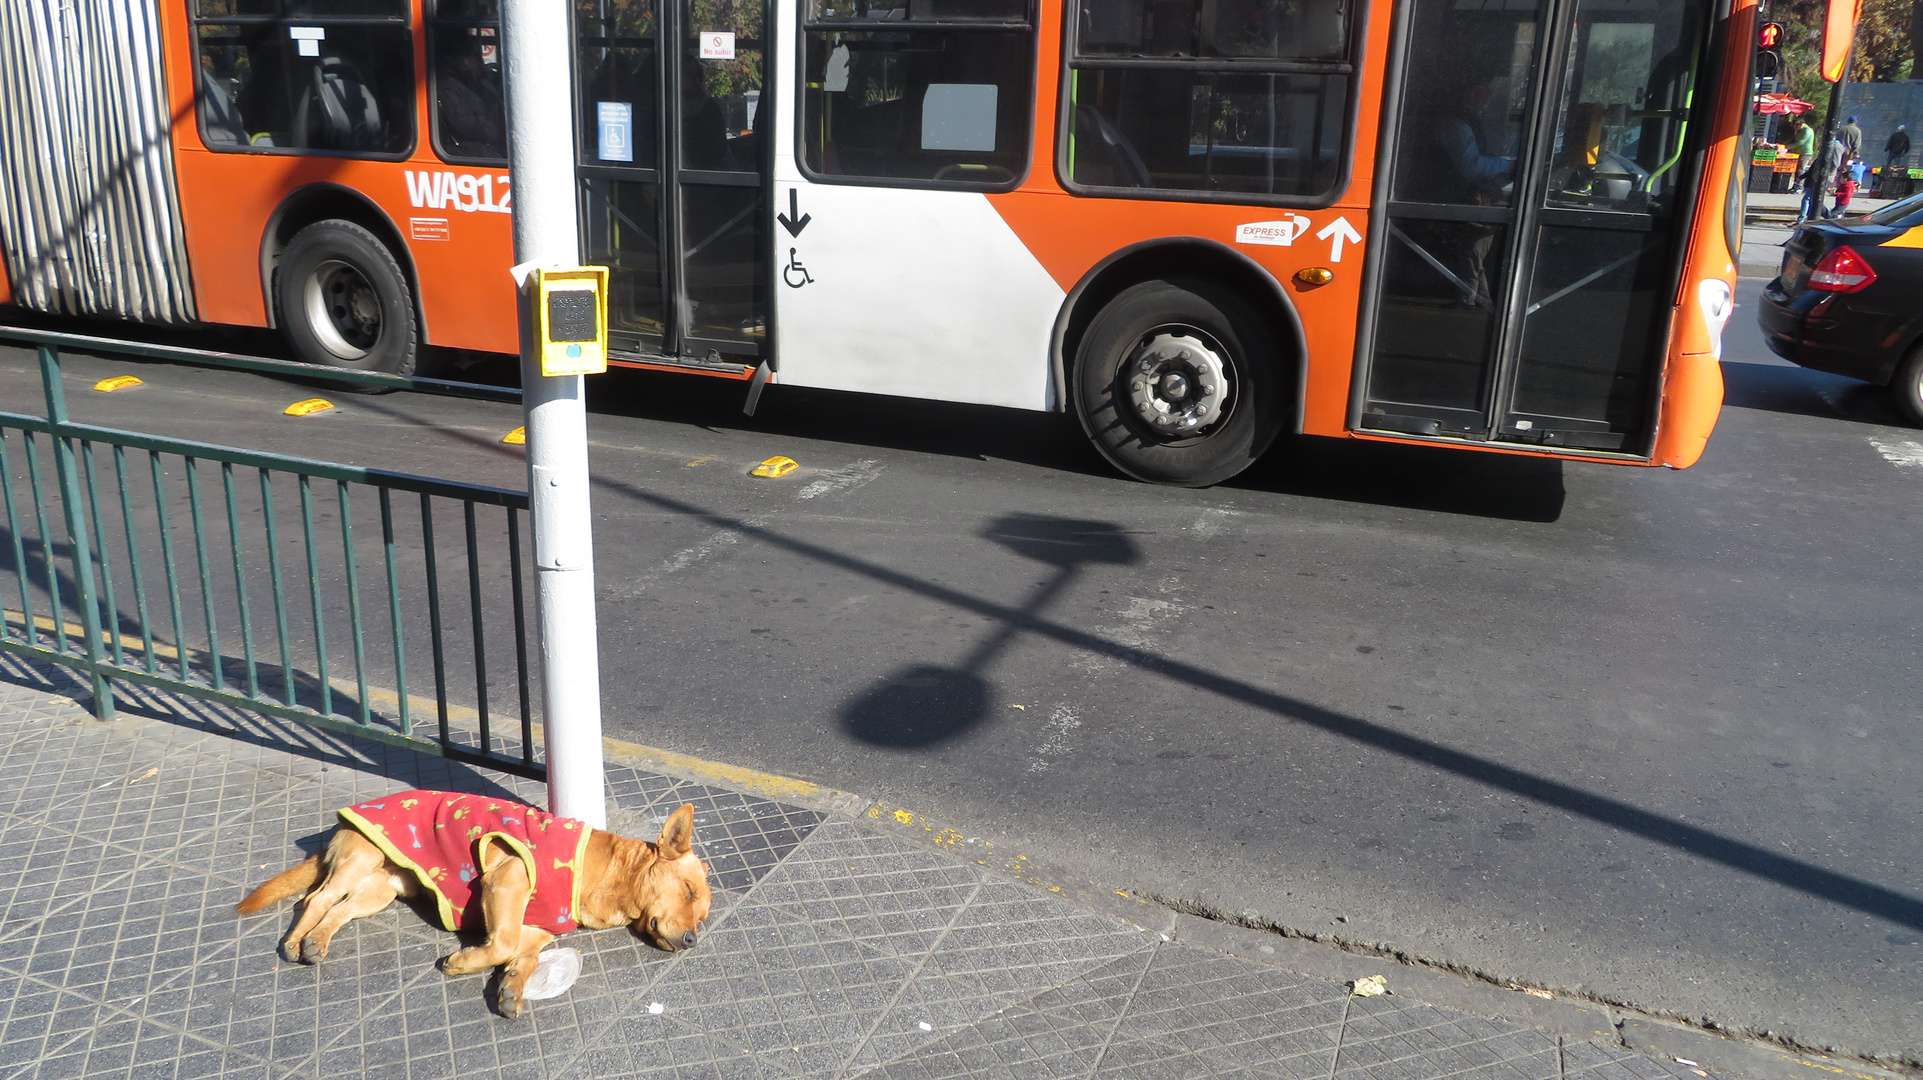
{"points": [[118, 382], [517, 437], [310, 407], [774, 466]]}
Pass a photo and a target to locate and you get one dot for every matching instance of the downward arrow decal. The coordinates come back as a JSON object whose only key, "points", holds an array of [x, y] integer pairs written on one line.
{"points": [[794, 220]]}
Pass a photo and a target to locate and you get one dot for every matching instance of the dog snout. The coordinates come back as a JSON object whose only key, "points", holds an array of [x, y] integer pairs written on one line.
{"points": [[687, 940]]}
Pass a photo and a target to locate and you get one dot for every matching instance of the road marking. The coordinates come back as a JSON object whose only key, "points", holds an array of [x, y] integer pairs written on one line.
{"points": [[1902, 453], [1062, 721], [847, 478]]}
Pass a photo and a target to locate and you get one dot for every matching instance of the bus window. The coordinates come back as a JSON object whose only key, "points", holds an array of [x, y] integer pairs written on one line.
{"points": [[945, 94], [281, 75], [1247, 98], [464, 62]]}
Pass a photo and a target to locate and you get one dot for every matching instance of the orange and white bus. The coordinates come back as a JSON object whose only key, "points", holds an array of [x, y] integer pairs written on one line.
{"points": [[1506, 225]]}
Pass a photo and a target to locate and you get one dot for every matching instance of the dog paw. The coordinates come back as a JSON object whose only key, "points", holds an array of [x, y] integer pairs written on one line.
{"points": [[313, 950], [510, 1002]]}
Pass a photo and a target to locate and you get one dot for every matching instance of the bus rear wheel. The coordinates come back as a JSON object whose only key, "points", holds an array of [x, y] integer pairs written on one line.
{"points": [[344, 301], [1176, 383]]}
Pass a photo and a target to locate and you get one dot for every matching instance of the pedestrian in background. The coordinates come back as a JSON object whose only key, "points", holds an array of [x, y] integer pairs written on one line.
{"points": [[1852, 137], [1845, 190], [1802, 141], [1894, 151]]}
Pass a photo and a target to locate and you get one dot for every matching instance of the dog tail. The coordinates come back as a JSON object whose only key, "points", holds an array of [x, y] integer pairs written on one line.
{"points": [[297, 878]]}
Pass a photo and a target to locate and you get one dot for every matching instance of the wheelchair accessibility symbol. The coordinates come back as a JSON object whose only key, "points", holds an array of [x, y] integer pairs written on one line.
{"points": [[795, 274]]}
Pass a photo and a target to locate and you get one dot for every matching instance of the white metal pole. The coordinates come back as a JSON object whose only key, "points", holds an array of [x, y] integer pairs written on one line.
{"points": [[541, 154]]}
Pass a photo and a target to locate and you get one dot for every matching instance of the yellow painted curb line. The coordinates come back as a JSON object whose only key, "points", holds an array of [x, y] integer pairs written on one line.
{"points": [[687, 767]]}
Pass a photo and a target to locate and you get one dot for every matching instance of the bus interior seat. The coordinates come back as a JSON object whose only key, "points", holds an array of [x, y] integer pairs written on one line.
{"points": [[339, 111], [220, 119]]}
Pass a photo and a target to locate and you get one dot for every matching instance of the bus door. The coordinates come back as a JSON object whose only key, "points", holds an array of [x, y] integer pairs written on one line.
{"points": [[673, 176], [1532, 203]]}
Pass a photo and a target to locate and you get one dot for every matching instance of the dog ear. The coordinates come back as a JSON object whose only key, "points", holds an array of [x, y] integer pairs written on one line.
{"points": [[677, 836]]}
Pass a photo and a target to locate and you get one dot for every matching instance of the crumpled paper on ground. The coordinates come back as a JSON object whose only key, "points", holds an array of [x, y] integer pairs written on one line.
{"points": [[557, 971]]}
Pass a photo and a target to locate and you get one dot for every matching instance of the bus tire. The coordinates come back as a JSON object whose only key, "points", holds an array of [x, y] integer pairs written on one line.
{"points": [[344, 301], [1907, 386], [1177, 382]]}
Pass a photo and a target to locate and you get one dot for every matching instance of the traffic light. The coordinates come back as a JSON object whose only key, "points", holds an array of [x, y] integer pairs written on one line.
{"points": [[1769, 60]]}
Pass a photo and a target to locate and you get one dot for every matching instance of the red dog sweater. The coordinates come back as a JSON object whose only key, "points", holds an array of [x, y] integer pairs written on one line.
{"points": [[437, 835]]}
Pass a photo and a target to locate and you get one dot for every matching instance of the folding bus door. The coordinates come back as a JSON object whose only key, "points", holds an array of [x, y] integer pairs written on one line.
{"points": [[1535, 199], [673, 173]]}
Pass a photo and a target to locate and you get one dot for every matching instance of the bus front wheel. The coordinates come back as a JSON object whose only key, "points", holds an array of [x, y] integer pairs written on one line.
{"points": [[1176, 383], [344, 301]]}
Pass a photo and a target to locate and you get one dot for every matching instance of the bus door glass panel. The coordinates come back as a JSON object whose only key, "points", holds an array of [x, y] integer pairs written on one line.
{"points": [[617, 76], [1451, 219], [277, 76], [723, 229], [1601, 285]]}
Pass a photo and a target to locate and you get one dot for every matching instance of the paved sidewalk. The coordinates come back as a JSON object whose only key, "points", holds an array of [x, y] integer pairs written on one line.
{"points": [[832, 951]]}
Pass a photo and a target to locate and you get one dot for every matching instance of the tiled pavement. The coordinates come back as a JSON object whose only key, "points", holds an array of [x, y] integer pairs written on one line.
{"points": [[832, 951]]}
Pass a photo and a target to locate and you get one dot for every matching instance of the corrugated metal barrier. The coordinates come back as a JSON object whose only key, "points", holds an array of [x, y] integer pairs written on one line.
{"points": [[89, 221]]}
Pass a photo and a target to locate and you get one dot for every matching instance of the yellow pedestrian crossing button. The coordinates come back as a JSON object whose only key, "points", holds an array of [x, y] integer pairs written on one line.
{"points": [[774, 466], [571, 319], [309, 407], [118, 382]]}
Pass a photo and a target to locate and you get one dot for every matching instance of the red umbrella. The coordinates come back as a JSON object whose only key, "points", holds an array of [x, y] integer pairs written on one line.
{"points": [[1771, 104]]}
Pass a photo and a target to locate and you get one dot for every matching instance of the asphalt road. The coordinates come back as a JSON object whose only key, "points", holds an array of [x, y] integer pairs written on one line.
{"points": [[1641, 735]]}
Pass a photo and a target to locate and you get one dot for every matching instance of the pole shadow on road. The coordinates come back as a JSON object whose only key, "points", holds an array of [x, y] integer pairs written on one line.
{"points": [[955, 699], [926, 704]]}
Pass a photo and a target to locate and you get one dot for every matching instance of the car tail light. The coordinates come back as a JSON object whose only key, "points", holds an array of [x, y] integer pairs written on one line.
{"points": [[1842, 270]]}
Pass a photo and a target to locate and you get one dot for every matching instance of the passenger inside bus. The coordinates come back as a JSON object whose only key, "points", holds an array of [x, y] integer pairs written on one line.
{"points": [[469, 107], [704, 126], [1475, 175]]}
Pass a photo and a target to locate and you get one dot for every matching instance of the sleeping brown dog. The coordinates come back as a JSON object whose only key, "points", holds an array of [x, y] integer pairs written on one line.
{"points": [[522, 875]]}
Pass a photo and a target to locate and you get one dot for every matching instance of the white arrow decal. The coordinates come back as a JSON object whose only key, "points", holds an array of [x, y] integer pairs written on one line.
{"points": [[1339, 230]]}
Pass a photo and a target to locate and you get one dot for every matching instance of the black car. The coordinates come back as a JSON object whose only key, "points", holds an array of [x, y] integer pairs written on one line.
{"points": [[1849, 300]]}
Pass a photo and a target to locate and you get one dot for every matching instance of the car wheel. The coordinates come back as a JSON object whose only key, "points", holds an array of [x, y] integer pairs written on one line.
{"points": [[1176, 382], [344, 301], [1907, 387]]}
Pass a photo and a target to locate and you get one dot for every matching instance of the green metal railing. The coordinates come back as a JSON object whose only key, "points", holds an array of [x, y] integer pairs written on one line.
{"points": [[136, 586]]}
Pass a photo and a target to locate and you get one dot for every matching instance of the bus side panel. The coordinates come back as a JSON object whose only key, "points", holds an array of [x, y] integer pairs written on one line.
{"points": [[453, 220], [1069, 235], [463, 245], [924, 294], [1693, 382]]}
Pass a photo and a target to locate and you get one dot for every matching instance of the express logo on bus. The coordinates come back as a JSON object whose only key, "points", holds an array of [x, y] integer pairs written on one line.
{"points": [[470, 193]]}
